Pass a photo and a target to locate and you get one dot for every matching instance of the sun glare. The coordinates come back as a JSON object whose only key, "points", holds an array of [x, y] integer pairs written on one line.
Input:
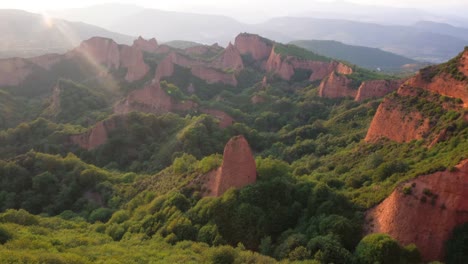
{"points": [[47, 20]]}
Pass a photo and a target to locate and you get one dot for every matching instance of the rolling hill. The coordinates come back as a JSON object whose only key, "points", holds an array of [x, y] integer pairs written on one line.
{"points": [[370, 58], [27, 34]]}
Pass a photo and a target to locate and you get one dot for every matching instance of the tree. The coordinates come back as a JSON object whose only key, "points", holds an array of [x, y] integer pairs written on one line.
{"points": [[378, 248]]}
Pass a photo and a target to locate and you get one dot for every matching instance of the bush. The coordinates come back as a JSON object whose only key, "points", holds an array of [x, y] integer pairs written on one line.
{"points": [[20, 217], [223, 255], [378, 248], [100, 214], [4, 235], [457, 246]]}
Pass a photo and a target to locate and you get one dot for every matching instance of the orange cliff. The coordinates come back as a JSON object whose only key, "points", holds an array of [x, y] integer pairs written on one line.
{"points": [[436, 205], [336, 86], [237, 170], [97, 135], [142, 44], [254, 45], [106, 52], [151, 99], [285, 67], [14, 71], [390, 121], [376, 88], [198, 68], [230, 59]]}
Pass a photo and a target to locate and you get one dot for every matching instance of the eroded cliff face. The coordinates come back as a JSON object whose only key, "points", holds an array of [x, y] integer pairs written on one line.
{"points": [[150, 45], [376, 88], [14, 71], [258, 47], [230, 59], [427, 215], [237, 170], [152, 99], [336, 86], [392, 122], [97, 135], [106, 52], [286, 66], [443, 84], [225, 120]]}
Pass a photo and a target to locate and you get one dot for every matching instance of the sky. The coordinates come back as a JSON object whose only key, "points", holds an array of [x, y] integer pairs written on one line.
{"points": [[266, 5]]}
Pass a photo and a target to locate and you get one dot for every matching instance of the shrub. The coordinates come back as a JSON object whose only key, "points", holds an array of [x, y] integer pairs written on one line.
{"points": [[100, 214], [20, 217], [223, 255], [378, 248], [5, 235]]}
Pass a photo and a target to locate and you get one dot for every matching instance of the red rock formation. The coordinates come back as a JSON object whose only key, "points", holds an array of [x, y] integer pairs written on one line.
{"points": [[211, 75], [254, 45], [97, 135], [225, 120], [278, 66], [204, 50], [391, 122], [428, 224], [14, 71], [463, 63], [336, 86], [238, 168], [132, 59], [443, 84], [47, 61], [230, 59], [285, 66], [257, 99], [106, 52], [151, 99], [376, 88], [101, 51], [146, 45]]}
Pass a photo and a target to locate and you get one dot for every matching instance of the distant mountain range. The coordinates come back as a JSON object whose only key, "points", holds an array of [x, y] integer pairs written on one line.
{"points": [[27, 34], [420, 41], [370, 58]]}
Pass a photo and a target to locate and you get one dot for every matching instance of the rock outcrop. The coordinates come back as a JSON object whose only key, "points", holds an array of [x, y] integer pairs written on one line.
{"points": [[426, 213], [47, 61], [230, 59], [152, 99], [254, 45], [286, 66], [201, 69], [237, 170], [97, 135], [225, 120], [392, 122], [106, 52], [150, 45], [376, 88], [14, 71], [336, 86]]}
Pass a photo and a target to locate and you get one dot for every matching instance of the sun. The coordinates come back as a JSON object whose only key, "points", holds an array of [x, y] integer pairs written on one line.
{"points": [[47, 20]]}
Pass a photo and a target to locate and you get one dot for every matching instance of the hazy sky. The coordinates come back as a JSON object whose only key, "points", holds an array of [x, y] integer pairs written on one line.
{"points": [[265, 5]]}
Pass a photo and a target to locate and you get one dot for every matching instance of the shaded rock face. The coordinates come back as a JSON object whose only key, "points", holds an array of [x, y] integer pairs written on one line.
{"points": [[151, 99], [204, 49], [225, 120], [391, 122], [150, 45], [376, 88], [106, 52], [285, 67], [237, 170], [254, 45], [442, 84], [14, 71], [47, 61], [132, 59], [198, 68], [336, 86], [463, 63], [97, 135], [428, 224], [230, 59]]}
